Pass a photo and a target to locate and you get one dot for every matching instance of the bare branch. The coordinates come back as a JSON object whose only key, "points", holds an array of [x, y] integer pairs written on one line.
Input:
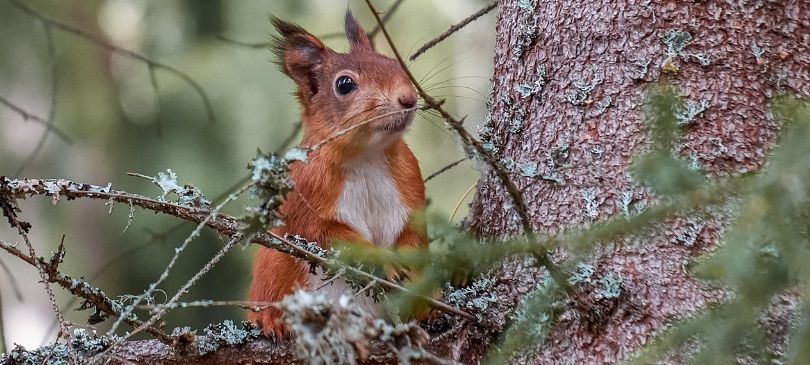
{"points": [[95, 297], [183, 290], [264, 45], [165, 274], [28, 116], [254, 45], [444, 169], [209, 109], [454, 28], [388, 14], [469, 141], [223, 224], [252, 305]]}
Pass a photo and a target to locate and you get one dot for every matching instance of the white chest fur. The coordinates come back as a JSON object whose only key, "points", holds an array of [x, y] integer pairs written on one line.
{"points": [[369, 202]]}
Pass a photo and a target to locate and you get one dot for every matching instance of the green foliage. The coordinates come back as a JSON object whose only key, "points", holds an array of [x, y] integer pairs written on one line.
{"points": [[762, 254]]}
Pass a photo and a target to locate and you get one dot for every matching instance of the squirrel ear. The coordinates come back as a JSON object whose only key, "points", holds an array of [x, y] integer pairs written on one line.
{"points": [[300, 55], [358, 38]]}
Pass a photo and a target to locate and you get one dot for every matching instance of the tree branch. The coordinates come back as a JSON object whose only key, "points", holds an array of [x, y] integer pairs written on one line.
{"points": [[454, 28], [92, 38], [469, 141], [223, 224]]}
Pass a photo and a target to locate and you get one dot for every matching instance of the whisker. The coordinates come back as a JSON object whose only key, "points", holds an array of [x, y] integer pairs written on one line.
{"points": [[458, 87], [436, 66], [444, 69]]}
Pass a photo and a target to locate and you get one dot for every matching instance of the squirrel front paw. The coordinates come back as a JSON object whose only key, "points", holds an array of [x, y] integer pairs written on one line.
{"points": [[397, 273]]}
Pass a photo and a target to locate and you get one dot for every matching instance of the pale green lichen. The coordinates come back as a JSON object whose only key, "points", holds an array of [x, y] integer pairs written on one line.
{"points": [[535, 87], [508, 163], [223, 334], [84, 344], [296, 154], [757, 51], [582, 88], [591, 204], [186, 194], [475, 297], [516, 124], [609, 286], [602, 105], [675, 40], [528, 169], [687, 113], [271, 183], [527, 28], [583, 274], [624, 202], [643, 64], [689, 234]]}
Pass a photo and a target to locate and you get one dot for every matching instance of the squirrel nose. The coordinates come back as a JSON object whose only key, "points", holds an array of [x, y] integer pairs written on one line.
{"points": [[407, 100]]}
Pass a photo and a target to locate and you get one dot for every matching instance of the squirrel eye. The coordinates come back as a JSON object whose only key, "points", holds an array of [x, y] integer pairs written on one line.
{"points": [[344, 85]]}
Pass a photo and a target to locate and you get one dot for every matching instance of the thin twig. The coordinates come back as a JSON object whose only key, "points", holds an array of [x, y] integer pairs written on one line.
{"points": [[209, 109], [324, 262], [80, 288], [180, 292], [28, 116], [252, 305], [444, 169], [265, 45], [10, 208], [388, 14], [165, 274], [503, 175], [460, 201], [455, 28], [223, 224], [253, 45]]}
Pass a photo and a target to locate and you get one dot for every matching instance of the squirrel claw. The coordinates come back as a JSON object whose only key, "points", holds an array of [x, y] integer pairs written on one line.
{"points": [[397, 273]]}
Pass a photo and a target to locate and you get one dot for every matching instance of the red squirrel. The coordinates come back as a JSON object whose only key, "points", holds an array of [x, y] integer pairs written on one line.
{"points": [[363, 187]]}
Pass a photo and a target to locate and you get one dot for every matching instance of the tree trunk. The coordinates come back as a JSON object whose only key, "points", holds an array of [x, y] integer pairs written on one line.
{"points": [[565, 119]]}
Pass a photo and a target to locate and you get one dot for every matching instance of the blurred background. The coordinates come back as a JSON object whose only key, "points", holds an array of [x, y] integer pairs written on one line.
{"points": [[118, 122]]}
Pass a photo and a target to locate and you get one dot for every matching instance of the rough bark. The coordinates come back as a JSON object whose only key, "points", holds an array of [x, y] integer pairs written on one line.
{"points": [[584, 125]]}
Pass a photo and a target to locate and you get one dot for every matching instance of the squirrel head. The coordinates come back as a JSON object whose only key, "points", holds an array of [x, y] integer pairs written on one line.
{"points": [[338, 91]]}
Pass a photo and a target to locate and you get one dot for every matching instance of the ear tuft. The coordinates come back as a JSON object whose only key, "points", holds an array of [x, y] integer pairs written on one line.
{"points": [[300, 55], [358, 38]]}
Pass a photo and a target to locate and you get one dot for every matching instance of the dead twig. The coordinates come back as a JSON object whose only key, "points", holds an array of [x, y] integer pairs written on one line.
{"points": [[470, 142], [28, 116], [223, 224], [251, 305], [454, 28], [95, 297], [180, 292], [92, 38], [444, 169], [265, 45]]}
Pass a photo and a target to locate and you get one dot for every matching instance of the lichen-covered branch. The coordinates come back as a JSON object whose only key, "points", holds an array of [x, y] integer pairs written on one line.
{"points": [[94, 298], [223, 224]]}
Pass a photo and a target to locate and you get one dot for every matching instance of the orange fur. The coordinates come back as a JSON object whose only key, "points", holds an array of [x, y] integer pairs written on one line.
{"points": [[310, 210]]}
